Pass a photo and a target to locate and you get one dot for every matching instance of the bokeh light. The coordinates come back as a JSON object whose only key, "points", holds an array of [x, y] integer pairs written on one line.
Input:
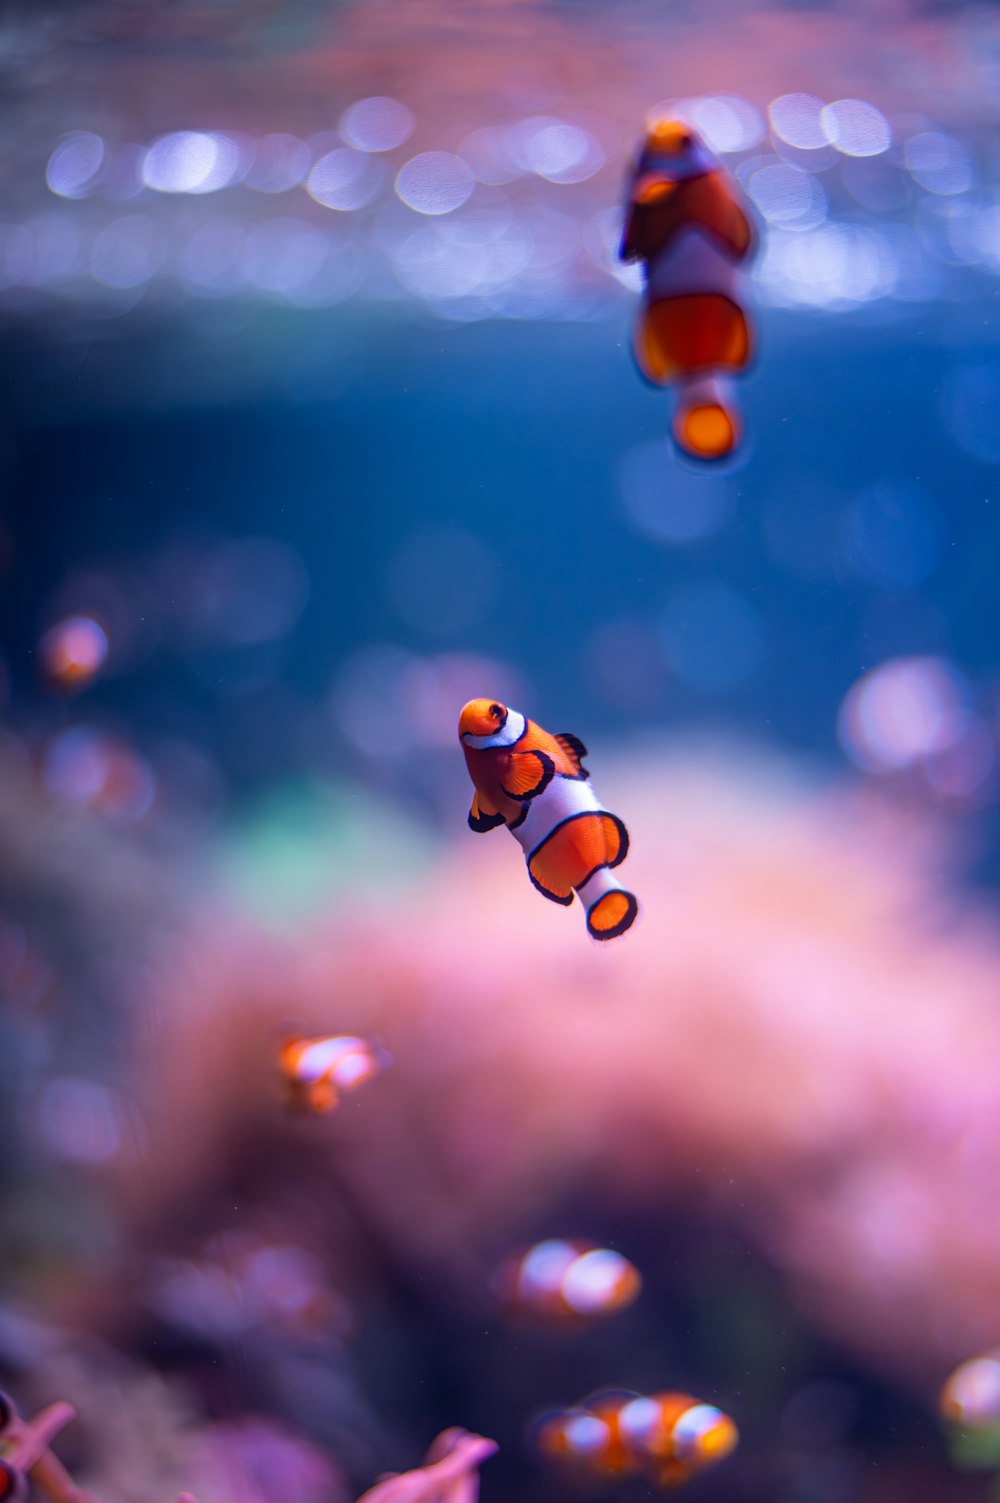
{"points": [[727, 122], [667, 503], [280, 162], [896, 534], [188, 161], [435, 182], [902, 711], [345, 179], [75, 164], [376, 124], [554, 149], [787, 196], [85, 768], [938, 162], [797, 119], [856, 128]]}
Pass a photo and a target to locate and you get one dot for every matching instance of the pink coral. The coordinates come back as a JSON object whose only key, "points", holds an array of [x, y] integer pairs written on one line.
{"points": [[799, 1038], [450, 1473]]}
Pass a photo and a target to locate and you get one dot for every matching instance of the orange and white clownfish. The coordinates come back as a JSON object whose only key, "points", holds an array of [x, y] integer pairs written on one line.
{"points": [[536, 785], [319, 1071], [668, 1436], [689, 226], [970, 1399], [568, 1281]]}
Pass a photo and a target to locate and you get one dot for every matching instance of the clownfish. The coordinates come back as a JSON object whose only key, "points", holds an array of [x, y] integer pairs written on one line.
{"points": [[689, 226], [568, 1281], [669, 1436], [970, 1398], [73, 652], [536, 785], [320, 1071]]}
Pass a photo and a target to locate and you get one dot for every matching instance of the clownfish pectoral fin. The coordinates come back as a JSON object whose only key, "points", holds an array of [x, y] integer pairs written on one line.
{"points": [[529, 773], [482, 817], [575, 751]]}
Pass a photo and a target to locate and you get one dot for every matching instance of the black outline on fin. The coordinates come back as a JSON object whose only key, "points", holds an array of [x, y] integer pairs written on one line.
{"points": [[553, 897], [575, 748], [548, 773], [601, 865], [623, 923], [623, 837], [483, 822]]}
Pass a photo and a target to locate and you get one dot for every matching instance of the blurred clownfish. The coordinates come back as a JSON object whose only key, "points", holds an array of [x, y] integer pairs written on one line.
{"points": [[688, 225], [73, 651], [320, 1071], [970, 1398], [535, 784], [669, 1437], [568, 1281]]}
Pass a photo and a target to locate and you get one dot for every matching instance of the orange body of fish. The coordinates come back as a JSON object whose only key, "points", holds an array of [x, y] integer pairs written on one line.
{"points": [[536, 785]]}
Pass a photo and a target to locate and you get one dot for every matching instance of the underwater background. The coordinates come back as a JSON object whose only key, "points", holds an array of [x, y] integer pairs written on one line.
{"points": [[320, 418]]}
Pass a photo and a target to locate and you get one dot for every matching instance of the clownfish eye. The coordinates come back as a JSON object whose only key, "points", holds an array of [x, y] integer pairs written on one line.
{"points": [[684, 141], [496, 711]]}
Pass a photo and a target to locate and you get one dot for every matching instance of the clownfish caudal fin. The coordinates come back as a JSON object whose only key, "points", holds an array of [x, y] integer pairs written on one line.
{"points": [[575, 751], [611, 909], [706, 425], [528, 774], [613, 914]]}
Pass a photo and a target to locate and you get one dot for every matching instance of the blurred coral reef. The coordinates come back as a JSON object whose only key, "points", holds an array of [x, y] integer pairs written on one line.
{"points": [[795, 1049]]}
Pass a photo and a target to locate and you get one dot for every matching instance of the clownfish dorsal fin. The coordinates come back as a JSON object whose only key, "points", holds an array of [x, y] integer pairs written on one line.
{"points": [[528, 774], [575, 751], [482, 817]]}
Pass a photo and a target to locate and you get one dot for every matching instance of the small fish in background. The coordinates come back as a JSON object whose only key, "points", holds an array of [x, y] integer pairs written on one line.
{"points": [[669, 1437], [971, 1395], [568, 1281], [969, 1404], [73, 652], [320, 1071], [687, 223], [536, 785]]}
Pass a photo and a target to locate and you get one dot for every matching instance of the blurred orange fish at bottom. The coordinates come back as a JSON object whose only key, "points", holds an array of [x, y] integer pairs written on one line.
{"points": [[668, 1436], [320, 1071], [568, 1281]]}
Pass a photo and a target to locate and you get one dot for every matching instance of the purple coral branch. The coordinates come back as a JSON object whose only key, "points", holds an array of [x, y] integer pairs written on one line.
{"points": [[449, 1473], [29, 1451]]}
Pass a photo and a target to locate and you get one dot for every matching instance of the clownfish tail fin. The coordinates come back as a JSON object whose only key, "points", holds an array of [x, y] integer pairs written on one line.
{"points": [[706, 424], [575, 751], [611, 909], [612, 914]]}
